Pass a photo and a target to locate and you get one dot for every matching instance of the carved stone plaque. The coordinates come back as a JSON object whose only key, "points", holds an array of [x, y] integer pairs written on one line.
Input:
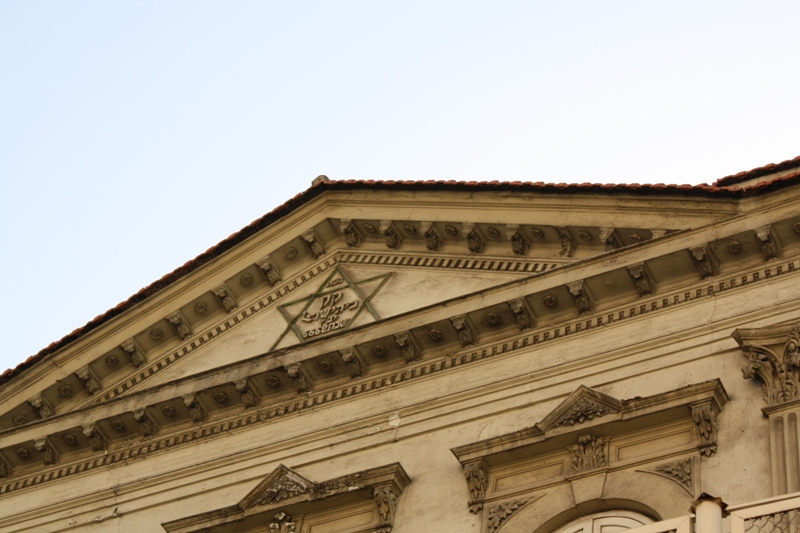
{"points": [[333, 307]]}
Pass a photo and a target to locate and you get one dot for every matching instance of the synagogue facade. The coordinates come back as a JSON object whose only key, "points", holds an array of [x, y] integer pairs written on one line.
{"points": [[445, 357]]}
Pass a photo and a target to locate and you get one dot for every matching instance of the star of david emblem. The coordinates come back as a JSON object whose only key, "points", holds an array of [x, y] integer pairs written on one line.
{"points": [[335, 306]]}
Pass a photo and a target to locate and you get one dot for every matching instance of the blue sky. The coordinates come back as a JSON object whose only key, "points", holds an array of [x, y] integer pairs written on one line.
{"points": [[135, 135]]}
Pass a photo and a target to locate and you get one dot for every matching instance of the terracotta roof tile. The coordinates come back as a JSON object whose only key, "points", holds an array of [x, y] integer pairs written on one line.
{"points": [[719, 188]]}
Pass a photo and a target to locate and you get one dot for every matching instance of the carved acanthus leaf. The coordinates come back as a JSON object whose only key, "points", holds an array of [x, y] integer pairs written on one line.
{"points": [[134, 351], [522, 314], [353, 363], [579, 295], [776, 366], [679, 471], [581, 411], [705, 417], [282, 524], [567, 242], [224, 297], [590, 453], [282, 488], [89, 379], [196, 409], [767, 242], [608, 236], [352, 236], [299, 378], [498, 514], [519, 244], [464, 330], [703, 260], [386, 503], [48, 453], [432, 239], [641, 279], [269, 271], [250, 397], [314, 244], [96, 439], [408, 346], [41, 406], [390, 235], [475, 242], [477, 482], [147, 427], [179, 324]]}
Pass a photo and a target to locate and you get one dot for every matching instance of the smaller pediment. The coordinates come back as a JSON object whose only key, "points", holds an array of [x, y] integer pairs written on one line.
{"points": [[282, 484], [582, 405]]}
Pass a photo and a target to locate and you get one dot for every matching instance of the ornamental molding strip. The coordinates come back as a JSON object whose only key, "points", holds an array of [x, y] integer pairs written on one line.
{"points": [[284, 497]]}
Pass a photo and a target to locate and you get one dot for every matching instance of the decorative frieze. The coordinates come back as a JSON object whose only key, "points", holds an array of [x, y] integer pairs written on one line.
{"points": [[47, 452], [522, 314], [196, 409], [705, 417], [704, 261], [641, 279], [408, 346], [477, 483], [352, 361], [768, 243], [249, 396], [386, 503], [41, 406], [89, 379], [390, 235], [581, 298], [499, 513], [567, 242], [313, 243], [299, 378], [134, 351], [269, 271], [225, 297], [589, 454], [432, 239], [519, 244], [96, 438], [465, 332], [475, 241], [352, 236], [180, 325], [147, 427]]}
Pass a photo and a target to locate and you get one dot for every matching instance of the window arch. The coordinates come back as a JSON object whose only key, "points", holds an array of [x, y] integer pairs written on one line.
{"points": [[605, 522]]}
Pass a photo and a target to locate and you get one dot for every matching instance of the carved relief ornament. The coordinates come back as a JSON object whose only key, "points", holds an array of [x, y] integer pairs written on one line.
{"points": [[390, 235], [475, 242], [224, 297], [465, 332], [499, 513], [250, 397], [41, 406], [314, 244], [477, 482], [179, 324], [522, 314], [567, 242], [519, 244], [768, 243], [408, 346], [704, 261], [96, 438], [88, 379], [680, 471], [352, 361], [134, 351], [773, 358], [269, 271], [641, 279], [432, 239], [352, 236], [299, 378], [590, 453], [579, 295], [608, 236], [48, 453]]}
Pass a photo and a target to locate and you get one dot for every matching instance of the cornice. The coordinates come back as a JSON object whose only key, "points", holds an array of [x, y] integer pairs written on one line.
{"points": [[429, 365]]}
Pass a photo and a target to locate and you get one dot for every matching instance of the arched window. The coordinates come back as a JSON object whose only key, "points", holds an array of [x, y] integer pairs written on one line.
{"points": [[605, 522]]}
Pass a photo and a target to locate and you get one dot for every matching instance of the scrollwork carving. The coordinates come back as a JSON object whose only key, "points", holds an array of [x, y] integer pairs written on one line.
{"points": [[41, 406], [353, 363], [703, 260], [519, 244], [147, 427], [475, 242], [498, 514], [352, 236], [135, 353], [179, 324], [581, 298], [269, 271], [250, 396], [281, 489], [224, 297], [522, 315], [48, 453], [408, 347], [432, 239], [679, 471], [196, 409], [767, 242], [589, 454], [608, 236], [705, 417], [96, 439], [579, 413], [778, 371], [567, 242], [477, 482], [283, 524], [390, 235], [314, 245], [299, 378], [464, 330], [89, 380], [386, 503], [641, 279]]}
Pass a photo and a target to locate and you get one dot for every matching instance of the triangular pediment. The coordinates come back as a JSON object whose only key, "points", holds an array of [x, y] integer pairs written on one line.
{"points": [[282, 484], [581, 406]]}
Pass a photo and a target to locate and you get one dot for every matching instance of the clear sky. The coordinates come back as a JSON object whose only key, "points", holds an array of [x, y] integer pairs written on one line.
{"points": [[135, 135]]}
